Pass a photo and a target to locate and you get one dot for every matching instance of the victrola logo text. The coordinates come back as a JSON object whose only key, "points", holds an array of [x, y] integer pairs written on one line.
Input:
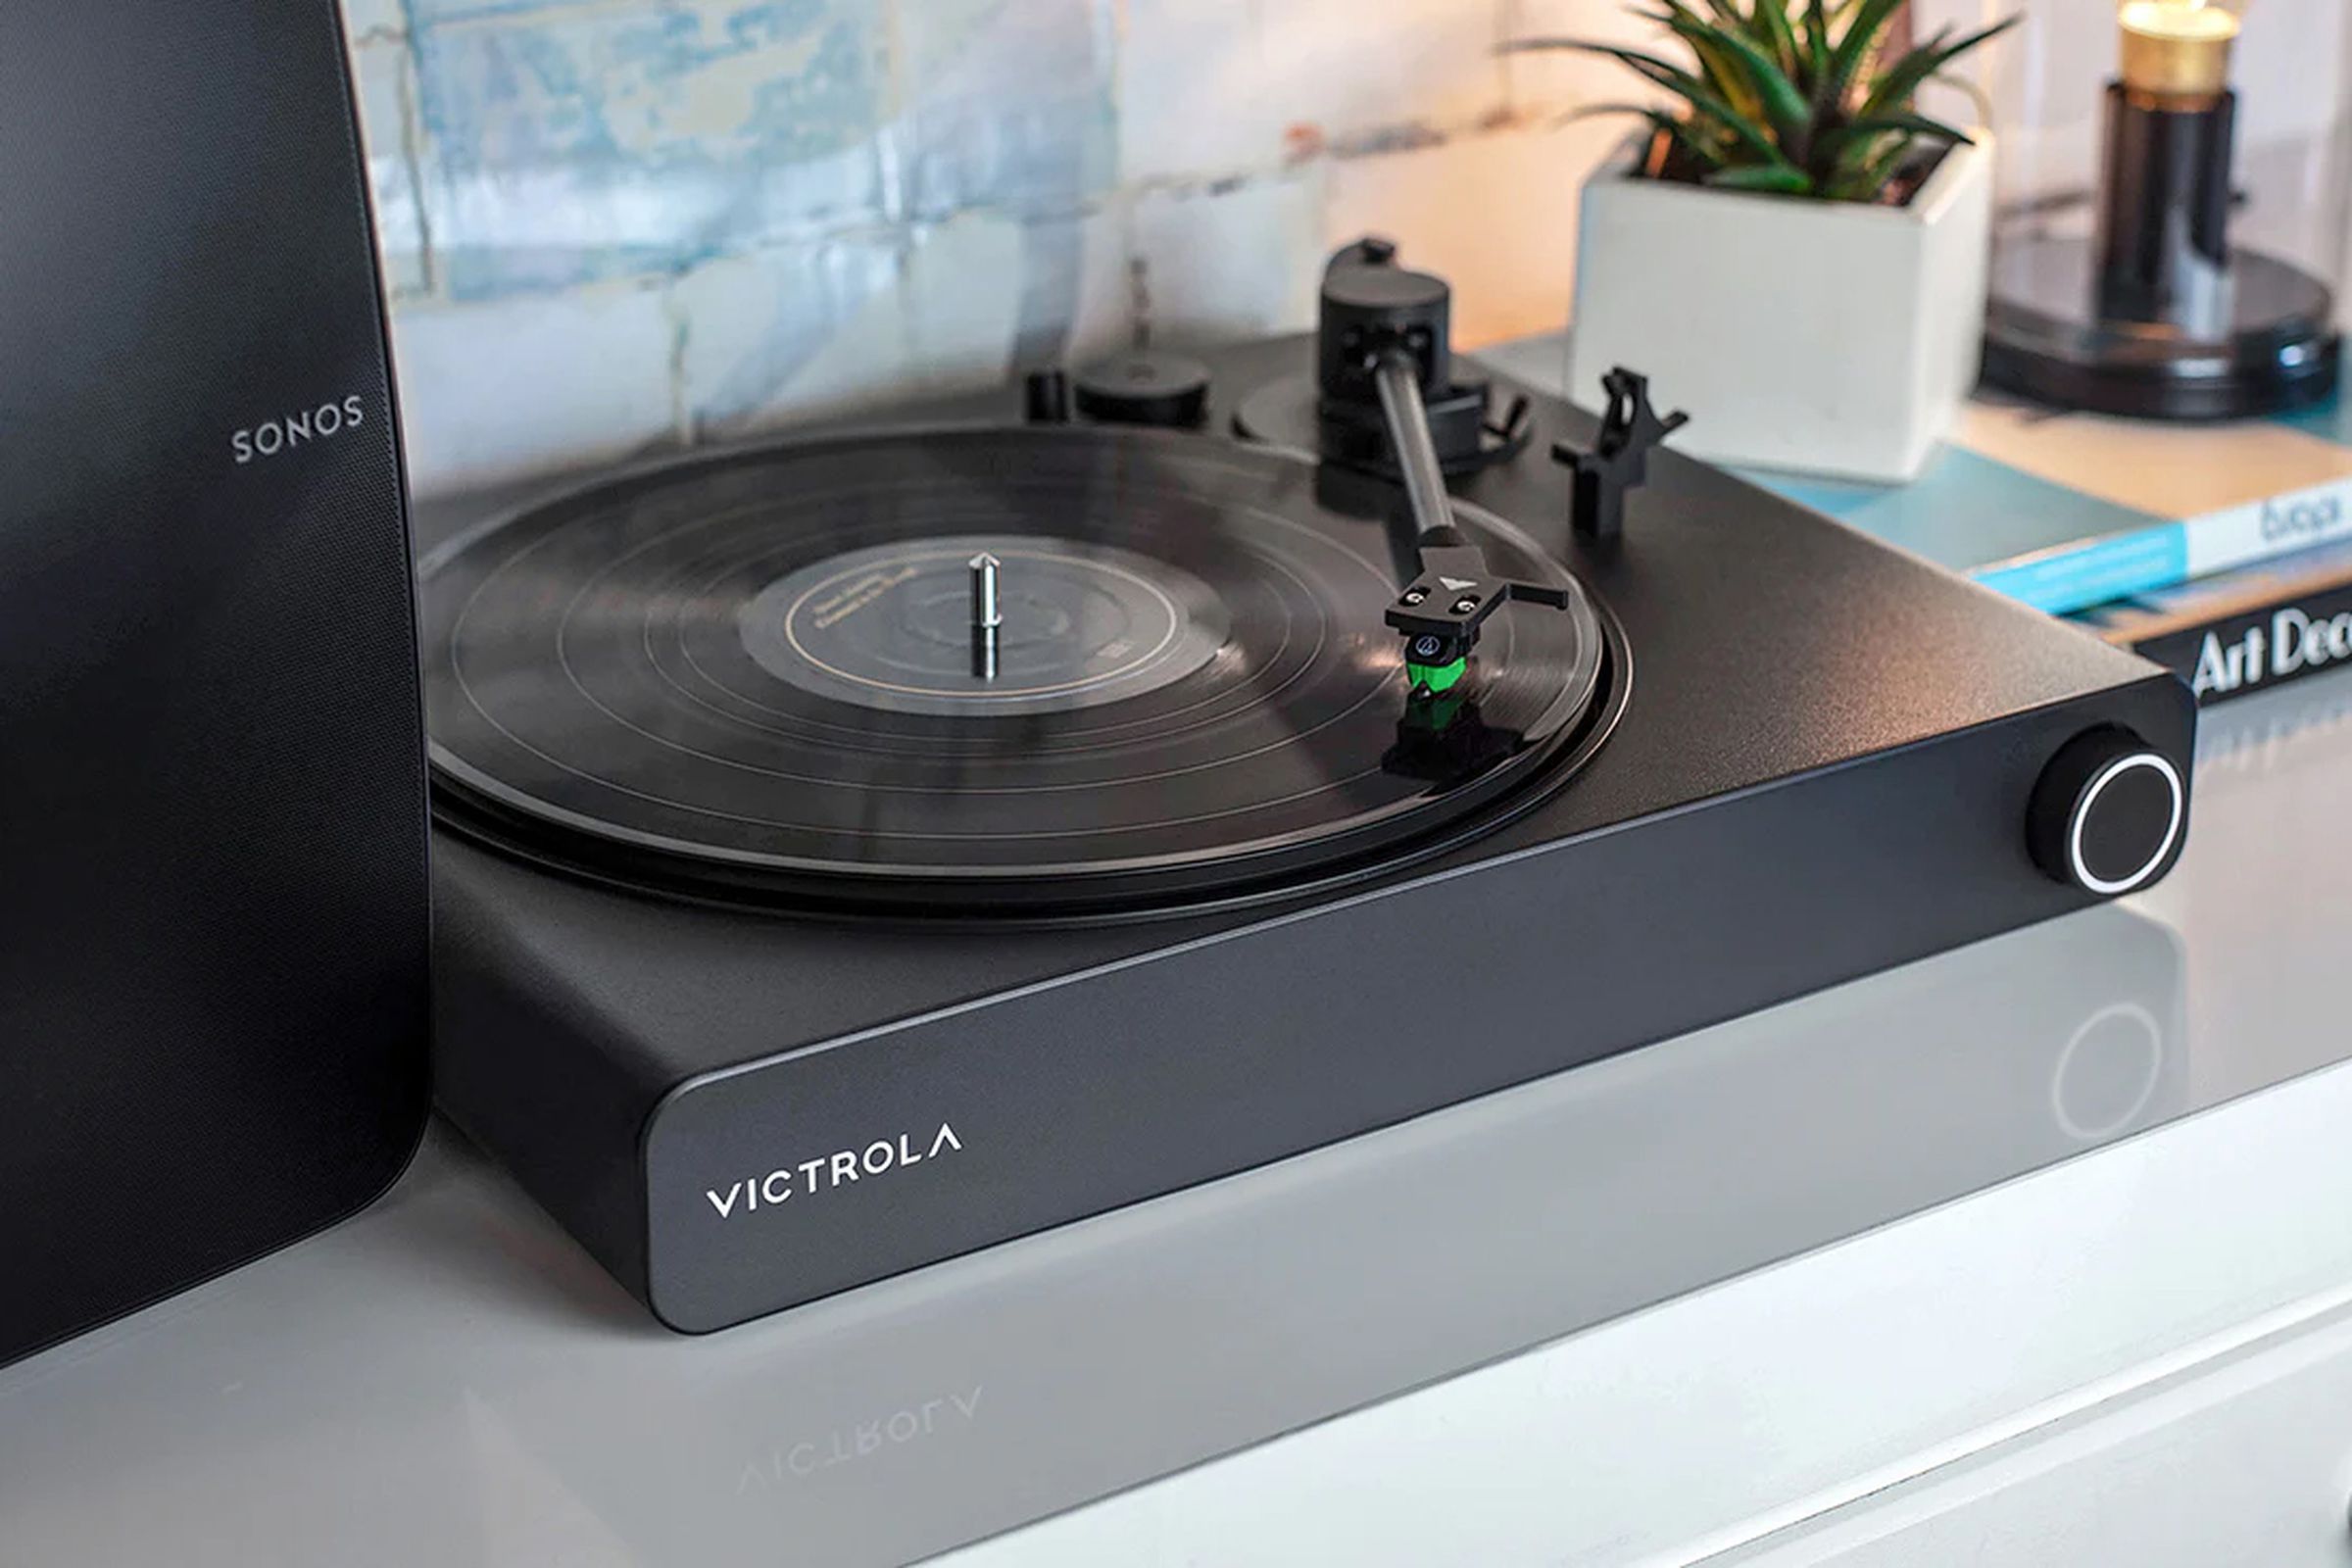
{"points": [[273, 436], [831, 1172]]}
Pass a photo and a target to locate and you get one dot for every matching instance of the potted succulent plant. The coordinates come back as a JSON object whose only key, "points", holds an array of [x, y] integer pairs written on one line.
{"points": [[1792, 251]]}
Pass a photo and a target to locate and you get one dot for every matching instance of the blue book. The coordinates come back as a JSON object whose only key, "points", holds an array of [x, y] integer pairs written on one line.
{"points": [[2070, 510]]}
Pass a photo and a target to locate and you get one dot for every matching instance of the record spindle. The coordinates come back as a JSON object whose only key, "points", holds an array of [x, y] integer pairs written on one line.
{"points": [[988, 618]]}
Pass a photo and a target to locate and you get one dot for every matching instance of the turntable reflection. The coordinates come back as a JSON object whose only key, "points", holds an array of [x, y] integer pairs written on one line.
{"points": [[491, 1386]]}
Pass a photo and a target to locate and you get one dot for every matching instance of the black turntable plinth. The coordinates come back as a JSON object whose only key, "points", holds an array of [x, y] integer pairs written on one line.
{"points": [[857, 851]]}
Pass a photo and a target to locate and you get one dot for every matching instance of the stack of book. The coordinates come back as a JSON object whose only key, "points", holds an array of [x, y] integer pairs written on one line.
{"points": [[2223, 550]]}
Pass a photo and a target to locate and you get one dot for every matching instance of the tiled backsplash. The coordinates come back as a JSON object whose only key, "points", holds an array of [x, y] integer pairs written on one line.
{"points": [[615, 224]]}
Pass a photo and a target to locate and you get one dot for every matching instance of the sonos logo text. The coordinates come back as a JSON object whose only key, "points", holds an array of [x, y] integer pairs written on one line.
{"points": [[274, 436], [831, 1171]]}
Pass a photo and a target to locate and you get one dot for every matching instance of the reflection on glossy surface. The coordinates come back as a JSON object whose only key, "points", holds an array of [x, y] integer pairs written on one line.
{"points": [[2260, 898], [448, 1379]]}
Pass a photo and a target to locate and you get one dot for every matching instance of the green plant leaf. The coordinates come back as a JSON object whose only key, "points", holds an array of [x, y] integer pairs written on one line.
{"points": [[1778, 179], [1748, 133], [1597, 110], [1898, 81], [1835, 142], [1869, 21], [1673, 78], [1790, 115], [1817, 44], [1906, 76], [1772, 20], [1716, 63], [1703, 102], [1864, 182], [1850, 158], [1683, 136], [1772, 103], [1919, 124], [1679, 130]]}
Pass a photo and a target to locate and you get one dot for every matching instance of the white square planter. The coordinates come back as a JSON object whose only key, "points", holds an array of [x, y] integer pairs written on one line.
{"points": [[1824, 337]]}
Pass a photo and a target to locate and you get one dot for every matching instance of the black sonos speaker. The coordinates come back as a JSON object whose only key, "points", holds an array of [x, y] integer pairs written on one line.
{"points": [[212, 904]]}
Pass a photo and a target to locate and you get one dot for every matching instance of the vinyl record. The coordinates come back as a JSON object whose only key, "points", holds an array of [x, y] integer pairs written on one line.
{"points": [[764, 677]]}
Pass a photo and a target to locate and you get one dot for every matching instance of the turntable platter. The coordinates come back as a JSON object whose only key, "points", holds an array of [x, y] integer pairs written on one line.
{"points": [[766, 676]]}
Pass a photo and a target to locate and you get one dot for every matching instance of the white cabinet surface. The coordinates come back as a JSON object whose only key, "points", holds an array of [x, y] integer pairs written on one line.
{"points": [[2245, 1461]]}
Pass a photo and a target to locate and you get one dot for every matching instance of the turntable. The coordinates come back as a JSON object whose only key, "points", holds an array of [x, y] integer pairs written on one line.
{"points": [[859, 850]]}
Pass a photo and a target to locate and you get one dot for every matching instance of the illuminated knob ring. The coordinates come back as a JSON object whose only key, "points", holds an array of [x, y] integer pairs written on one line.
{"points": [[2177, 807], [2108, 813]]}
